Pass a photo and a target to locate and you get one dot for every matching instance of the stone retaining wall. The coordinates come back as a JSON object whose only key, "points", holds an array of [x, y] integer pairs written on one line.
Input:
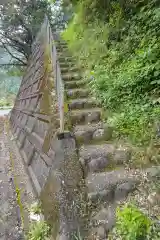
{"points": [[33, 114], [50, 157]]}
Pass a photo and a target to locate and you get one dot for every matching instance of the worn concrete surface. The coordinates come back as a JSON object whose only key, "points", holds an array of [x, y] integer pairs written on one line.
{"points": [[12, 175], [10, 221], [23, 181]]}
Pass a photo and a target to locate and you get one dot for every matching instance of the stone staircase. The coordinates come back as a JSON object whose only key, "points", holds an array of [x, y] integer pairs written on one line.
{"points": [[103, 162]]}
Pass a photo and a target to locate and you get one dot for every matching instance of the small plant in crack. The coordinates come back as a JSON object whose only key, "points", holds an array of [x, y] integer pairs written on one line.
{"points": [[77, 236], [36, 208], [38, 231]]}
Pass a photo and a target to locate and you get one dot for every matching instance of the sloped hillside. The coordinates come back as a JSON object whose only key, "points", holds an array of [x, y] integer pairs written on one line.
{"points": [[117, 44]]}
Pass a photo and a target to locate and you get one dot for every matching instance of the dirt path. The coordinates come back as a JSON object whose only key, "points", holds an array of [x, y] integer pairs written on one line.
{"points": [[12, 177], [10, 221]]}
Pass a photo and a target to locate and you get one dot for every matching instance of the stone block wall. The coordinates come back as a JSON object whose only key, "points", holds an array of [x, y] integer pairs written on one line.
{"points": [[34, 118], [49, 156]]}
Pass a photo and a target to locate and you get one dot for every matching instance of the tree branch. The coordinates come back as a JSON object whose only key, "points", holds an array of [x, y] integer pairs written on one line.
{"points": [[30, 37], [19, 44], [17, 48], [11, 54], [12, 64]]}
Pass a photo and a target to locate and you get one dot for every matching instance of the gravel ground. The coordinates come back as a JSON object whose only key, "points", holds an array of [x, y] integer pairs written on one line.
{"points": [[10, 221], [10, 214]]}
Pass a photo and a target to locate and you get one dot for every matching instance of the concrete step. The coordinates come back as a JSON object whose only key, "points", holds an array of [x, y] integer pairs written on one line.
{"points": [[69, 59], [93, 132], [102, 221], [61, 44], [85, 116], [62, 48], [74, 84], [69, 69], [111, 186], [78, 92], [64, 54], [95, 158], [82, 103], [66, 64], [71, 77]]}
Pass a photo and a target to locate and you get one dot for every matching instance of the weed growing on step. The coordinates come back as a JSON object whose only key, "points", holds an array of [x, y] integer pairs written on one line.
{"points": [[38, 228], [132, 224], [77, 237], [36, 208], [38, 231]]}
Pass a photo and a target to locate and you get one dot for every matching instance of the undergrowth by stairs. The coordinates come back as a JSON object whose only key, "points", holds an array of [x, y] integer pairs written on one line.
{"points": [[104, 162]]}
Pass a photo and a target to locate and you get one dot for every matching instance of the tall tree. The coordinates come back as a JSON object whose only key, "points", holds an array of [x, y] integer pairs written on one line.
{"points": [[19, 22]]}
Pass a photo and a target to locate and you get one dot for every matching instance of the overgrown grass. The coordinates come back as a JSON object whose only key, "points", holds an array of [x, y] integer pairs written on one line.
{"points": [[133, 224], [39, 231], [36, 208], [121, 59], [38, 228]]}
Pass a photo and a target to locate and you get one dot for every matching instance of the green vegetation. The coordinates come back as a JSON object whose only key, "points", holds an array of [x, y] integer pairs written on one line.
{"points": [[8, 89], [4, 103], [39, 231], [19, 31], [20, 23], [133, 224], [77, 237], [118, 45], [36, 208]]}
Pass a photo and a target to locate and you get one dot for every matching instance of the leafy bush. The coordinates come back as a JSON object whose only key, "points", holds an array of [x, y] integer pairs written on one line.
{"points": [[36, 208], [132, 224], [101, 9], [121, 56], [8, 88], [39, 231]]}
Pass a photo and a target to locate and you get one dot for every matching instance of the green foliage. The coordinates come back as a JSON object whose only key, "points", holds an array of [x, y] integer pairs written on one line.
{"points": [[9, 86], [121, 55], [19, 202], [77, 236], [102, 10], [20, 22], [132, 224], [4, 103], [36, 208], [14, 71], [39, 231]]}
